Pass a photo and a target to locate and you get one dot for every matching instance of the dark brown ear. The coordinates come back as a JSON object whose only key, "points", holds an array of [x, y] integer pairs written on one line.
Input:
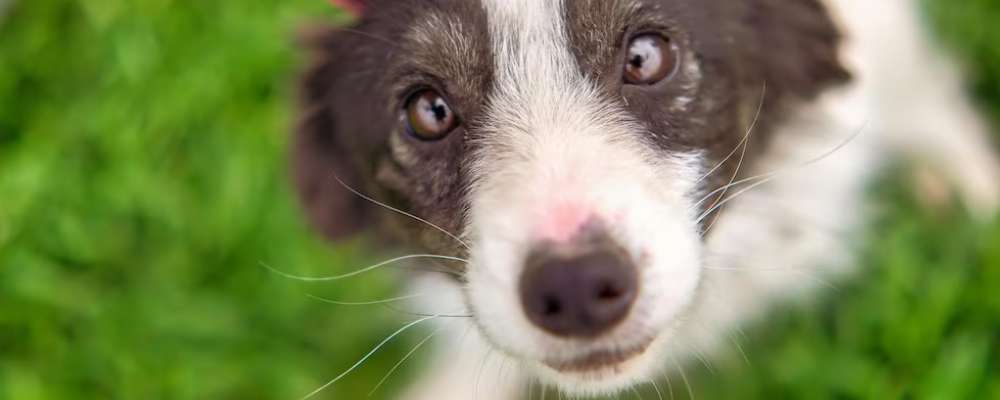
{"points": [[322, 163], [798, 46]]}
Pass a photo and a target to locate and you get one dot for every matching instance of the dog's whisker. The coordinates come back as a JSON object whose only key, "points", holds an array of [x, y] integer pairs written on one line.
{"points": [[743, 142], [401, 212], [743, 154], [742, 333], [775, 211], [363, 270], [704, 361], [747, 268], [743, 269], [670, 385], [500, 372], [403, 360], [770, 176], [364, 303], [656, 387], [479, 375], [739, 348], [419, 314], [636, 392], [687, 383], [369, 355], [786, 169], [807, 273], [722, 195], [821, 281]]}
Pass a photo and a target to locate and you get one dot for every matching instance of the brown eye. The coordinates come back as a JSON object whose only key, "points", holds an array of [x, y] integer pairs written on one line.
{"points": [[428, 116], [651, 59]]}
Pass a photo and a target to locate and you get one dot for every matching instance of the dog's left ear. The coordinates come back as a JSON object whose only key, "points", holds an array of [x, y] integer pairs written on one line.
{"points": [[797, 46], [354, 7], [325, 153]]}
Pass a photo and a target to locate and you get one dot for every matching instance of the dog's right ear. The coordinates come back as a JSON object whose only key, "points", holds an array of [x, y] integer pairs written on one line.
{"points": [[322, 161]]}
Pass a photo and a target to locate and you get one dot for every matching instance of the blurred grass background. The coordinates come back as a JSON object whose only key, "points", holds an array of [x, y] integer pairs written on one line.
{"points": [[143, 179]]}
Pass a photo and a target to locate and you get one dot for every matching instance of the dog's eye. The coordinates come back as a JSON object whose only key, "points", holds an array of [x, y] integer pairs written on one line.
{"points": [[428, 116], [651, 59]]}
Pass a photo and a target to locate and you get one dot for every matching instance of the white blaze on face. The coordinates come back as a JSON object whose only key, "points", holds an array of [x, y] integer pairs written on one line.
{"points": [[555, 154]]}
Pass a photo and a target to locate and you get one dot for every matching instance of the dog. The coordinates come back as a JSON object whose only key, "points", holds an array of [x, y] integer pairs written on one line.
{"points": [[610, 186]]}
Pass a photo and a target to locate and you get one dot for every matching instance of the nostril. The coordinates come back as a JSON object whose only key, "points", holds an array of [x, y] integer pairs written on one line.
{"points": [[608, 292], [552, 306]]}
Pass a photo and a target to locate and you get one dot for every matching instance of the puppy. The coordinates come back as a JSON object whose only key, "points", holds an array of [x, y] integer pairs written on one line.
{"points": [[618, 183]]}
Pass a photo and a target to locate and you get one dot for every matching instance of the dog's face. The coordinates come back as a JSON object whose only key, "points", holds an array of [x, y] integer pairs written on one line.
{"points": [[571, 146]]}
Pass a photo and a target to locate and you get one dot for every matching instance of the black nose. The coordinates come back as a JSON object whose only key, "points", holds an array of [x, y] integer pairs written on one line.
{"points": [[578, 292]]}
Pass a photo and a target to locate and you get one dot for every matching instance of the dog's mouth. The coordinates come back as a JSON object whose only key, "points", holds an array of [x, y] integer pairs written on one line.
{"points": [[598, 361]]}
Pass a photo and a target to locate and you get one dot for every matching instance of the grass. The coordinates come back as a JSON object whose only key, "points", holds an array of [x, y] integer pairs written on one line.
{"points": [[143, 180]]}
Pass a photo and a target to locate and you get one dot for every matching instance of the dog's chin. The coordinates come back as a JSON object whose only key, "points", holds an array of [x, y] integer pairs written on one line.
{"points": [[603, 373]]}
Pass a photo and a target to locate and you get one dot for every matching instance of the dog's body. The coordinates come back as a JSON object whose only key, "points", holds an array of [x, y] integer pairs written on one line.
{"points": [[718, 223]]}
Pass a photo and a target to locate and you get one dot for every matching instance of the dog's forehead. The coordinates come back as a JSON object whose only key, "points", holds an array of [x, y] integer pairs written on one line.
{"points": [[465, 42]]}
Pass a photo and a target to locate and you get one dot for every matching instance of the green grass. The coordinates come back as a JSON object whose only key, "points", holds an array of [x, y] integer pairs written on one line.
{"points": [[143, 179]]}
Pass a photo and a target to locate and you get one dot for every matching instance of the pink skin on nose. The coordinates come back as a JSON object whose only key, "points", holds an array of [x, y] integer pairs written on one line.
{"points": [[563, 222]]}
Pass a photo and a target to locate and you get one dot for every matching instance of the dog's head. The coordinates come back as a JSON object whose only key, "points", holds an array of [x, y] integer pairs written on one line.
{"points": [[573, 147]]}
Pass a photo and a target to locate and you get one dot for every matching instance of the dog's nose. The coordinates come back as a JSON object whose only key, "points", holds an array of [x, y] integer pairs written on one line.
{"points": [[578, 291]]}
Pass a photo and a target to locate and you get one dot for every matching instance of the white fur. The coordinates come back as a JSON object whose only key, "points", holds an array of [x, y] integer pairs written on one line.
{"points": [[554, 144], [554, 138]]}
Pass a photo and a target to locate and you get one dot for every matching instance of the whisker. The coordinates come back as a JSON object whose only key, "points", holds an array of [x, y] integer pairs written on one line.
{"points": [[500, 372], [743, 142], [363, 270], [418, 314], [670, 385], [740, 349], [687, 383], [403, 360], [785, 170], [800, 271], [364, 303], [479, 375], [821, 281], [367, 356], [732, 340], [778, 211], [723, 194], [398, 211], [743, 269], [656, 388], [636, 392], [704, 361], [770, 176], [742, 333], [743, 154]]}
